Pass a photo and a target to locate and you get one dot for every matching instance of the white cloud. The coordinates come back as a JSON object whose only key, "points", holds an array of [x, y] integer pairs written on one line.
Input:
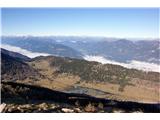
{"points": [[23, 51], [132, 64], [59, 41], [73, 41]]}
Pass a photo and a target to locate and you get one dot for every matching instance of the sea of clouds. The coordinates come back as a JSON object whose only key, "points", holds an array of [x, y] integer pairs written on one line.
{"points": [[23, 51], [132, 64]]}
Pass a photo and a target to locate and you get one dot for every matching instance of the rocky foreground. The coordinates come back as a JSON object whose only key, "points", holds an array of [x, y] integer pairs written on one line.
{"points": [[21, 98]]}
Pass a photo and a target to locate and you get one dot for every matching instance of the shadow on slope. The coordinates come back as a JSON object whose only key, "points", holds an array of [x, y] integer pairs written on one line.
{"points": [[18, 93]]}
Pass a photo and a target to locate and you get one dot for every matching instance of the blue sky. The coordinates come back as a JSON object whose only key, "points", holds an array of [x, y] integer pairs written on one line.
{"points": [[108, 22]]}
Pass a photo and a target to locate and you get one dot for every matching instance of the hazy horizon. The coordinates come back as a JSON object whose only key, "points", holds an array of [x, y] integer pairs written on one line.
{"points": [[85, 36]]}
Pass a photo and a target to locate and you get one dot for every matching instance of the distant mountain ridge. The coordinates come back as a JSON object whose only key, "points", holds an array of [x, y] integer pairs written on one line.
{"points": [[120, 50], [41, 45]]}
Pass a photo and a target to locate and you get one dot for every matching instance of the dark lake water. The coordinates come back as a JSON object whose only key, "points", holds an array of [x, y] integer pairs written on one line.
{"points": [[84, 90]]}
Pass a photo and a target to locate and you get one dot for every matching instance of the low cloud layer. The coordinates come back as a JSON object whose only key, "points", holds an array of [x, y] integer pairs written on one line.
{"points": [[23, 51], [132, 64]]}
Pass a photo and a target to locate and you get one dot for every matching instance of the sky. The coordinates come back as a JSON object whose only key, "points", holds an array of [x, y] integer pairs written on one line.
{"points": [[106, 22]]}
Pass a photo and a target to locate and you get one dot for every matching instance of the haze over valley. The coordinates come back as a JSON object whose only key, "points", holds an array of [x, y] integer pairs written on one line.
{"points": [[111, 51]]}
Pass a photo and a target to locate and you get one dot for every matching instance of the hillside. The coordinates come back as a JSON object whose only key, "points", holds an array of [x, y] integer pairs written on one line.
{"points": [[80, 76], [14, 68], [75, 76], [30, 98], [15, 55], [97, 79]]}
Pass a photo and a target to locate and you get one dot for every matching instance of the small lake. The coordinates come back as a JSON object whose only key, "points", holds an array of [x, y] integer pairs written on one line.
{"points": [[84, 90]]}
